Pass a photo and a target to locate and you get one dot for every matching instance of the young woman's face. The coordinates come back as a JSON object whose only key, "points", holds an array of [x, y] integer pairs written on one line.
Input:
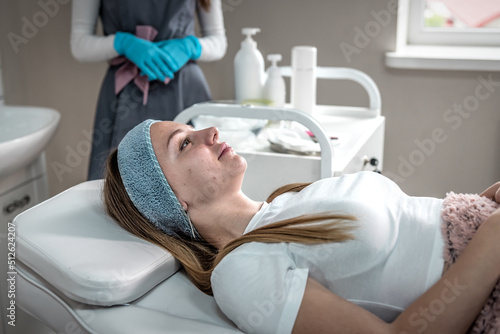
{"points": [[197, 166]]}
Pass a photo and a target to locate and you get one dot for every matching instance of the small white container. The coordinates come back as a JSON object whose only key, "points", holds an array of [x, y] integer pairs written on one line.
{"points": [[274, 88], [303, 81], [248, 69]]}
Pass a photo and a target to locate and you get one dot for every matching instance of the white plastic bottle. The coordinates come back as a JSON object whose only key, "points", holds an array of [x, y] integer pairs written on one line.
{"points": [[303, 81], [248, 69], [274, 88]]}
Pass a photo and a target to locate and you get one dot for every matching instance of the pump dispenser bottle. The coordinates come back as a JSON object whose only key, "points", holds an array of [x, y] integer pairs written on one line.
{"points": [[274, 88], [248, 69], [303, 81]]}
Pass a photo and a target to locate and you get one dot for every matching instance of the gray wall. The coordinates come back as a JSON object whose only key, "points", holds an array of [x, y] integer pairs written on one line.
{"points": [[466, 158]]}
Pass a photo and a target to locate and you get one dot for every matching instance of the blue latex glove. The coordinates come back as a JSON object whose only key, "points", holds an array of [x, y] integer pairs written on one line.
{"points": [[180, 50], [146, 55]]}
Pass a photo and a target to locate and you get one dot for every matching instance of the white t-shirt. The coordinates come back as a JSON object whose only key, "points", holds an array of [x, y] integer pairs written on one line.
{"points": [[395, 257]]}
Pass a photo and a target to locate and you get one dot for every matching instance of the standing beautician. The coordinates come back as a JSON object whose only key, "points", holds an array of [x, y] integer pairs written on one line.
{"points": [[151, 48]]}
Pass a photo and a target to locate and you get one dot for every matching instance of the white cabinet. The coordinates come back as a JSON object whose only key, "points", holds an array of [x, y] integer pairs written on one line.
{"points": [[18, 192], [360, 139]]}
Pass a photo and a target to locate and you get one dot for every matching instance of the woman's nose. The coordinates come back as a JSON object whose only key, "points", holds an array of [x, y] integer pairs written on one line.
{"points": [[211, 135]]}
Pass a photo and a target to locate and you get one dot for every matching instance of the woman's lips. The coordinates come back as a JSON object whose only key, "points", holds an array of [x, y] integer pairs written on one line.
{"points": [[224, 149]]}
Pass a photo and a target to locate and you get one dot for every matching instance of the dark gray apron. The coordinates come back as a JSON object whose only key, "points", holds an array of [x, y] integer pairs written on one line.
{"points": [[117, 114]]}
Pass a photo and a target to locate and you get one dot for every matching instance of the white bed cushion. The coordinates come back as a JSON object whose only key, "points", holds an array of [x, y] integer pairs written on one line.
{"points": [[70, 242]]}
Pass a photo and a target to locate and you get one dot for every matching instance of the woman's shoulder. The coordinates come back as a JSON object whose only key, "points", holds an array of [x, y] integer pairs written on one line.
{"points": [[250, 259], [257, 274], [253, 251]]}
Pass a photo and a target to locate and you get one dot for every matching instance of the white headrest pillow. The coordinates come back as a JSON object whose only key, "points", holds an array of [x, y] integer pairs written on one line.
{"points": [[71, 243]]}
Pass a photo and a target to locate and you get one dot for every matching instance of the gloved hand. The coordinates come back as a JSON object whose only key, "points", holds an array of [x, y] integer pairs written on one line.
{"points": [[146, 55], [180, 50]]}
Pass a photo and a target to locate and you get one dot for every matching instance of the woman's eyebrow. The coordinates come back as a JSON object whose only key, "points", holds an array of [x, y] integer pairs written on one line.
{"points": [[172, 135], [179, 130]]}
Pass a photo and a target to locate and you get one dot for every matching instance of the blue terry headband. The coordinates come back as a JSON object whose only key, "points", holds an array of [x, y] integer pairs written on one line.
{"points": [[148, 187]]}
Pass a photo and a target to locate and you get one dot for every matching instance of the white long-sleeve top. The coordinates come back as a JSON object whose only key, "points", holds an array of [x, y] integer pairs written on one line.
{"points": [[87, 46]]}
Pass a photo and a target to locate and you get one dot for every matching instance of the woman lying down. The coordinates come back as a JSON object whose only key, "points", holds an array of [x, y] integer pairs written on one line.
{"points": [[299, 262]]}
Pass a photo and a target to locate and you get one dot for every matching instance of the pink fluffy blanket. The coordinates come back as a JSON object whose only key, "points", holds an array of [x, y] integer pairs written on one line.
{"points": [[462, 214]]}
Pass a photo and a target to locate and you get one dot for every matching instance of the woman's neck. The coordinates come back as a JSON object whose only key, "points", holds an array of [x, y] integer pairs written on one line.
{"points": [[225, 220]]}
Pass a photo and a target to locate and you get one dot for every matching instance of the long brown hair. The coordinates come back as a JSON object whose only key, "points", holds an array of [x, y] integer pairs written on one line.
{"points": [[199, 258]]}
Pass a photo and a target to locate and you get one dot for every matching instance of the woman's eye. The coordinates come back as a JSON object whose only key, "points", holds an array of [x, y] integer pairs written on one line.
{"points": [[184, 143]]}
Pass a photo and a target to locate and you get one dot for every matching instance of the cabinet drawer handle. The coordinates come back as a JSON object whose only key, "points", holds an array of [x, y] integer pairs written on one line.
{"points": [[16, 204]]}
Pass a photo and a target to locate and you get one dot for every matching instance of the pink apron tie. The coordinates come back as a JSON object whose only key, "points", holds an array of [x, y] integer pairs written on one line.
{"points": [[129, 71]]}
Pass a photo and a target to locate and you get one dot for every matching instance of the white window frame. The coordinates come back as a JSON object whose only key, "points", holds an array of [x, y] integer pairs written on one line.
{"points": [[417, 34], [426, 48]]}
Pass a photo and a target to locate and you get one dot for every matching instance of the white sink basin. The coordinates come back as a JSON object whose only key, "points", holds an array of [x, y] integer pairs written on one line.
{"points": [[24, 134]]}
